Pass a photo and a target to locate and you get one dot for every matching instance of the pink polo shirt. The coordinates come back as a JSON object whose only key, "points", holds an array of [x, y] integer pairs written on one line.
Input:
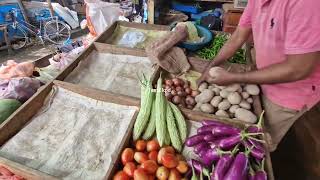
{"points": [[280, 28]]}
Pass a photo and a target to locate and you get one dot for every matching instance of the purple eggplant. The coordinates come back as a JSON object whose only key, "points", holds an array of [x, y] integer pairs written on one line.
{"points": [[230, 142], [199, 147], [197, 165], [239, 168], [204, 159], [222, 166], [207, 129], [210, 156], [225, 131], [224, 163], [256, 144], [253, 129], [251, 173], [261, 173], [213, 122], [214, 144], [257, 128], [194, 140], [210, 138], [255, 152]]}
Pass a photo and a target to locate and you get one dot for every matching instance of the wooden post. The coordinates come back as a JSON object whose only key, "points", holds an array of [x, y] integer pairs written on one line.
{"points": [[23, 11], [50, 8], [151, 11]]}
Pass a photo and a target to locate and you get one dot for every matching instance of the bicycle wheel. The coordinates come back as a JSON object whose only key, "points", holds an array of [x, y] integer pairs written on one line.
{"points": [[17, 36], [57, 32]]}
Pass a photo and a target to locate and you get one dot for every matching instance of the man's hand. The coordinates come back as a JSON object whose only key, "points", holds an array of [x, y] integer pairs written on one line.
{"points": [[221, 77], [235, 42], [205, 74]]}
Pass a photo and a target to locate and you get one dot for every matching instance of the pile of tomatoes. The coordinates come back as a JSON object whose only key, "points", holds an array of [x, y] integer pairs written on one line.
{"points": [[147, 161]]}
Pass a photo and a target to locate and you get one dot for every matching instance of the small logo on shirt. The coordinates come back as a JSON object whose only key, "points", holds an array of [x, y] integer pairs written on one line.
{"points": [[272, 23]]}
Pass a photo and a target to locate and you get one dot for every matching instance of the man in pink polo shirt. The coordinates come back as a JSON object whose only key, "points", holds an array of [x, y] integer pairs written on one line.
{"points": [[286, 36]]}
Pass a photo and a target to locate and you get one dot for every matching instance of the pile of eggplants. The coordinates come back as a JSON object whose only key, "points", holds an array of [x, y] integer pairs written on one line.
{"points": [[227, 153]]}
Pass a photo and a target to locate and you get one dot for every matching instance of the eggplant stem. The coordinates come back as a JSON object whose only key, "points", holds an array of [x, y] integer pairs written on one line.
{"points": [[262, 164], [205, 171], [220, 152], [247, 151], [254, 134], [235, 150], [261, 141], [259, 124], [251, 171]]}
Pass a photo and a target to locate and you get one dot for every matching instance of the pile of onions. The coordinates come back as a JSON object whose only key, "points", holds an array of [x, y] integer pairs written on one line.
{"points": [[179, 92]]}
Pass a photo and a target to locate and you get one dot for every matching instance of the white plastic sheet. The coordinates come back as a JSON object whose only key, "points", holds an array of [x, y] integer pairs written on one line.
{"points": [[111, 72], [132, 38], [71, 137]]}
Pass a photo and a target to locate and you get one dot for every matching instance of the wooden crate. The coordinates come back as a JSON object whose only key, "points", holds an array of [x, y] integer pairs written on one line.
{"points": [[25, 172], [99, 49], [14, 124], [105, 37], [190, 116], [21, 118], [199, 66]]}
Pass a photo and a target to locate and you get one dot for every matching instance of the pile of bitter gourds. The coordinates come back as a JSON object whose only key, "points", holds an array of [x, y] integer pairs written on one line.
{"points": [[159, 116]]}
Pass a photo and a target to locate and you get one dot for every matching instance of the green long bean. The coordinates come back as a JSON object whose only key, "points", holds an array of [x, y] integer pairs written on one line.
{"points": [[208, 53]]}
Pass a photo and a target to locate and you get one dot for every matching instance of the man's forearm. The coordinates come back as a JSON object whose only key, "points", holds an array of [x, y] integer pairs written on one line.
{"points": [[278, 73]]}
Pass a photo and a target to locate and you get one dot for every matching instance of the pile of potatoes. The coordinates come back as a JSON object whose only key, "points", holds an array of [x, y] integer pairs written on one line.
{"points": [[233, 101]]}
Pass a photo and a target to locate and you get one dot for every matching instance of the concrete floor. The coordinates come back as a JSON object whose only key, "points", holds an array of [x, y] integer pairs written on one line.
{"points": [[36, 51], [30, 53]]}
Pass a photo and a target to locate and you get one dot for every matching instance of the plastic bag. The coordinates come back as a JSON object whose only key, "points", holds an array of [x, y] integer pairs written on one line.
{"points": [[13, 69], [18, 88], [132, 38], [48, 73], [100, 15], [60, 61], [7, 107]]}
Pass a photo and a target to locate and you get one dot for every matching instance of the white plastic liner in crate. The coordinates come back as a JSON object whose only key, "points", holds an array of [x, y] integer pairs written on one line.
{"points": [[111, 72], [72, 136], [188, 152]]}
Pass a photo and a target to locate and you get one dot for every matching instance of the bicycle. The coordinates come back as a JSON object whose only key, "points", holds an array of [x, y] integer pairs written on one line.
{"points": [[51, 29]]}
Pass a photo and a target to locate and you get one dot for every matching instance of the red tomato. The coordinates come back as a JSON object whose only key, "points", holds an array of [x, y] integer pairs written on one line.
{"points": [[152, 177], [169, 160], [127, 156], [141, 145], [129, 168], [162, 173], [149, 166], [174, 175], [153, 145], [163, 151], [182, 167], [121, 176], [170, 149], [140, 157], [153, 155], [140, 174]]}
